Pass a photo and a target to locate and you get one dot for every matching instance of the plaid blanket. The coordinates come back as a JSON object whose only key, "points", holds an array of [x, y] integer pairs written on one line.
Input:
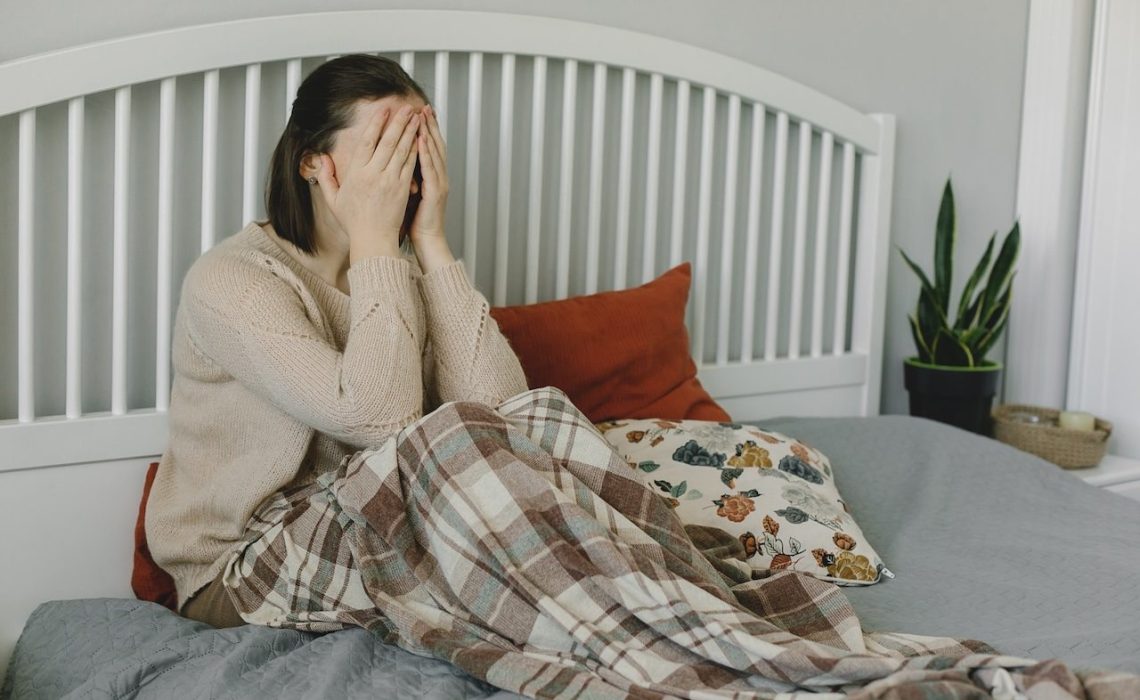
{"points": [[513, 542]]}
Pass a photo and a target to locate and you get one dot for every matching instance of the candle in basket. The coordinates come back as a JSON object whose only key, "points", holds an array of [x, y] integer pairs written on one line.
{"points": [[1077, 420]]}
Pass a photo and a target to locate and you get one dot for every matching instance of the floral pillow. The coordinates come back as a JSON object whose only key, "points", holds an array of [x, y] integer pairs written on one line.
{"points": [[772, 492]]}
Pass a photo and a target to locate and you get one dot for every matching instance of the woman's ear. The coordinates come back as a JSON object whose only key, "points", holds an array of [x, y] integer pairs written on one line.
{"points": [[310, 164]]}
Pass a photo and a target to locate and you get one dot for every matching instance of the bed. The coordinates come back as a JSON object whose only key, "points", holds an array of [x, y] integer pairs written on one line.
{"points": [[779, 195]]}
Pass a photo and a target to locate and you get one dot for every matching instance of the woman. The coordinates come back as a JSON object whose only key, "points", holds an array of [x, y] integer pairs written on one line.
{"points": [[310, 336], [310, 484]]}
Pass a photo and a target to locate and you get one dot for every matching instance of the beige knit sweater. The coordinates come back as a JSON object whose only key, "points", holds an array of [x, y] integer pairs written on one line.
{"points": [[278, 375]]}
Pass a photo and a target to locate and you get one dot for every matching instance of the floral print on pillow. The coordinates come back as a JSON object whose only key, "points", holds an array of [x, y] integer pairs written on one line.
{"points": [[774, 493]]}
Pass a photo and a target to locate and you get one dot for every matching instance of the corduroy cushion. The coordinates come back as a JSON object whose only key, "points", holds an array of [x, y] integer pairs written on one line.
{"points": [[620, 354], [148, 581]]}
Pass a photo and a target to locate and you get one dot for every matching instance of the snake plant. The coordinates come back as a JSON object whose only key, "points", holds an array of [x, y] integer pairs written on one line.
{"points": [[983, 308]]}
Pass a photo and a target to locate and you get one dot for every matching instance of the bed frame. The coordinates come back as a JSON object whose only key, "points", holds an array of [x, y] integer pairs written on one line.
{"points": [[582, 158]]}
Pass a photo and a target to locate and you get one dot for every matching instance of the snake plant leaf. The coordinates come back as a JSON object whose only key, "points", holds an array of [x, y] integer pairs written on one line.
{"points": [[1002, 272], [944, 236], [927, 319], [949, 350], [972, 283], [988, 341], [922, 278], [999, 308], [985, 334], [928, 292], [930, 314], [973, 313], [971, 336], [919, 341]]}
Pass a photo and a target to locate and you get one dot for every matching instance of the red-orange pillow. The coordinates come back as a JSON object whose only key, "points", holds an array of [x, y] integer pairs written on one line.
{"points": [[148, 581], [619, 354]]}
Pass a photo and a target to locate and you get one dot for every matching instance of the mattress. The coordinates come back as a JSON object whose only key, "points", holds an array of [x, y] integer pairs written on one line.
{"points": [[985, 541]]}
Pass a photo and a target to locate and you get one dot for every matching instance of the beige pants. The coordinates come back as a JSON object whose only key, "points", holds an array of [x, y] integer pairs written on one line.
{"points": [[213, 606]]}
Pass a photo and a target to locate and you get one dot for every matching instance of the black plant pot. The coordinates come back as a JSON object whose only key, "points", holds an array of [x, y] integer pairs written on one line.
{"points": [[960, 396]]}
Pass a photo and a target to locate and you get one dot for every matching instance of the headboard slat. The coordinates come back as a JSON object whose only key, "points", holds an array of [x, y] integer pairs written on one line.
{"points": [[594, 215], [752, 247], [75, 132], [774, 260], [846, 208], [566, 171], [164, 277], [474, 127], [442, 66], [799, 242], [728, 230], [625, 169], [704, 212], [250, 162], [652, 167], [119, 251], [210, 87], [680, 172], [503, 205], [823, 211], [537, 157], [292, 84], [25, 222]]}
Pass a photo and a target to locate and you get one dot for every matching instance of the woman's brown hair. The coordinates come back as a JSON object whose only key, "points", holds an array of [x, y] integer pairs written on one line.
{"points": [[323, 106]]}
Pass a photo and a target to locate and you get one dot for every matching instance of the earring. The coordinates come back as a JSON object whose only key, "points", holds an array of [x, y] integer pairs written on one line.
{"points": [[312, 180]]}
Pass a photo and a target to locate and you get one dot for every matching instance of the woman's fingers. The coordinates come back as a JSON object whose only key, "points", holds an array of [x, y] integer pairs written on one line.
{"points": [[409, 166], [427, 164], [433, 126], [369, 136], [405, 154], [439, 165], [392, 138]]}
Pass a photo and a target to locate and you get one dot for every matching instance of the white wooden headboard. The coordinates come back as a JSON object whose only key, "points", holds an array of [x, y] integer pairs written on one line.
{"points": [[137, 154], [583, 158]]}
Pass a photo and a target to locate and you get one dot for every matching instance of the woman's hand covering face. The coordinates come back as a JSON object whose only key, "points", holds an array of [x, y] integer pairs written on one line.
{"points": [[427, 222], [368, 193]]}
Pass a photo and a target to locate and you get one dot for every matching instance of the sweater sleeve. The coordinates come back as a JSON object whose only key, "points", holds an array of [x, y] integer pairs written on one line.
{"points": [[263, 337], [473, 360]]}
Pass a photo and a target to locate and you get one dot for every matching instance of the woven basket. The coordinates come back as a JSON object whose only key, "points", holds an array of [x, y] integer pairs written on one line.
{"points": [[1070, 449]]}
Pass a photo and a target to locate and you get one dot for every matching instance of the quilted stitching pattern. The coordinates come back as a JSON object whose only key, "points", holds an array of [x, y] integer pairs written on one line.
{"points": [[988, 542], [115, 648]]}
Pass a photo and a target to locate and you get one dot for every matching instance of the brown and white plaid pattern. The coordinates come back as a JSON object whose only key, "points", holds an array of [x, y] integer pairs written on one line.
{"points": [[516, 544]]}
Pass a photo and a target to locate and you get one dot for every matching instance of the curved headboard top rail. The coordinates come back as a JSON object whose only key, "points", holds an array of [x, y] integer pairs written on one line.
{"points": [[51, 77]]}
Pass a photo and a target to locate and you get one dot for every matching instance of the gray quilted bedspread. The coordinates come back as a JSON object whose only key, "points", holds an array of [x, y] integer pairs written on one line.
{"points": [[986, 542]]}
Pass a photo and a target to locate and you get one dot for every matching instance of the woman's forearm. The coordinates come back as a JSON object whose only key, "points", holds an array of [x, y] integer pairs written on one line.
{"points": [[473, 360], [433, 254]]}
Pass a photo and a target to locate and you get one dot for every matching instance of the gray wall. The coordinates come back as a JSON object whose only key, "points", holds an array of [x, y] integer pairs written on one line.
{"points": [[952, 73]]}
